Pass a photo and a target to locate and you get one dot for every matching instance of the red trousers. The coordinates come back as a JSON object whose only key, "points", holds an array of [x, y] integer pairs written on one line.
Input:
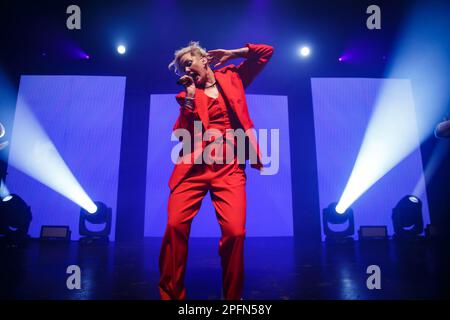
{"points": [[226, 184]]}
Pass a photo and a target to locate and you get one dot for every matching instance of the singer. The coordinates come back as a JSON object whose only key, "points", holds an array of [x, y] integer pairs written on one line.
{"points": [[217, 99]]}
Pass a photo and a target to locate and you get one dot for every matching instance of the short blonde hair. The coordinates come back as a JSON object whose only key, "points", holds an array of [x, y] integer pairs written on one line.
{"points": [[193, 47]]}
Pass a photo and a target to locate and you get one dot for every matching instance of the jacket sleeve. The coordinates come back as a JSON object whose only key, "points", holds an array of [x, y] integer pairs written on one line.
{"points": [[186, 117], [258, 56]]}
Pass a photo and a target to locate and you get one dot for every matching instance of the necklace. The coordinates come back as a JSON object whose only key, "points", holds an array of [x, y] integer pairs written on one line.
{"points": [[211, 85]]}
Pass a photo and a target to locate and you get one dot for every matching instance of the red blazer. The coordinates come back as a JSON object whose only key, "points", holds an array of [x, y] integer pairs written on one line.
{"points": [[232, 80]]}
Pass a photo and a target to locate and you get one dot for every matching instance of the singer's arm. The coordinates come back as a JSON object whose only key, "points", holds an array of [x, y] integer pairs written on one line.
{"points": [[187, 112], [220, 56], [187, 104], [256, 57]]}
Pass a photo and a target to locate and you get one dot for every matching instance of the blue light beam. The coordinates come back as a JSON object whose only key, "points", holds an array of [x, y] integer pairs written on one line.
{"points": [[406, 112], [33, 153]]}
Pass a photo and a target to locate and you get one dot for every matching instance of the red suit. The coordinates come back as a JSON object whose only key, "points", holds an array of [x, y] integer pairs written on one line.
{"points": [[190, 182]]}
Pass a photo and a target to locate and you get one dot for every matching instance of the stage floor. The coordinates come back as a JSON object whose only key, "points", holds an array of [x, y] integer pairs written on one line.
{"points": [[276, 268]]}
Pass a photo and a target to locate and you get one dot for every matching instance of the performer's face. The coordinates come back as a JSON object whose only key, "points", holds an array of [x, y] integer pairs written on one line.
{"points": [[195, 66]]}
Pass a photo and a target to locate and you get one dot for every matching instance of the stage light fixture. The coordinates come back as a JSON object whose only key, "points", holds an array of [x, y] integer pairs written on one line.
{"points": [[340, 210], [304, 51], [59, 233], [2, 134], [102, 216], [372, 233], [333, 220], [15, 217], [2, 130], [394, 131], [407, 217], [121, 49], [5, 195]]}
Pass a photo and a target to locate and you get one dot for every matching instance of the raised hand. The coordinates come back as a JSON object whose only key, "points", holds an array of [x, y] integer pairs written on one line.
{"points": [[219, 57]]}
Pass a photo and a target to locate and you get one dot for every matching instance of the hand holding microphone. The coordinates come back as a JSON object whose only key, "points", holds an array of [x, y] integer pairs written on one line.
{"points": [[188, 84], [185, 80]]}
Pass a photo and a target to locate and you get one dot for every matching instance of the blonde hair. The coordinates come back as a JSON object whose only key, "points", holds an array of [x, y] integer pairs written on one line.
{"points": [[193, 48]]}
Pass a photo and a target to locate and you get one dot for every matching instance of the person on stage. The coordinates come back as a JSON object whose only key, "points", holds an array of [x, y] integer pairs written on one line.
{"points": [[216, 100], [443, 129]]}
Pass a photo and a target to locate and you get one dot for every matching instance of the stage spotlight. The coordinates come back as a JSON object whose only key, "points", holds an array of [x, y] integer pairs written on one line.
{"points": [[121, 49], [340, 210], [403, 118], [372, 233], [344, 57], [4, 192], [407, 217], [101, 216], [336, 225], [2, 134], [15, 217], [304, 51], [60, 233], [388, 139]]}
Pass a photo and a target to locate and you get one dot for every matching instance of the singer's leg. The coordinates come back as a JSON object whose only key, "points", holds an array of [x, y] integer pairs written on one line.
{"points": [[184, 203], [229, 198]]}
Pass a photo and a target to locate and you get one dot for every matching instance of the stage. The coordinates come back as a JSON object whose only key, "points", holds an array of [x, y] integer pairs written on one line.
{"points": [[276, 269]]}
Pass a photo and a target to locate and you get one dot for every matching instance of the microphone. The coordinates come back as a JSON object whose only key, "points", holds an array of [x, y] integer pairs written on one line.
{"points": [[184, 80]]}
